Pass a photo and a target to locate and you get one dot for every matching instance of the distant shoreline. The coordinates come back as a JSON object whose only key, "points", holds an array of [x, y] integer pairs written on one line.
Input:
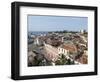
{"points": [[46, 32]]}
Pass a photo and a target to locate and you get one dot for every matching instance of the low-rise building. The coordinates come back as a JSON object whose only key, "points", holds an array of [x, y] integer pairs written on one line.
{"points": [[62, 50], [67, 49]]}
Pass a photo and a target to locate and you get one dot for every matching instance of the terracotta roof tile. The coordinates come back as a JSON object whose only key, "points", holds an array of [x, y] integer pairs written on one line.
{"points": [[69, 47]]}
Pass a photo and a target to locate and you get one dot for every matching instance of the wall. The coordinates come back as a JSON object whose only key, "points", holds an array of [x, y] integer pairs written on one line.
{"points": [[5, 40]]}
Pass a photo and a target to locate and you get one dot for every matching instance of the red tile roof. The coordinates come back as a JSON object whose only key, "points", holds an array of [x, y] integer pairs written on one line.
{"points": [[70, 47]]}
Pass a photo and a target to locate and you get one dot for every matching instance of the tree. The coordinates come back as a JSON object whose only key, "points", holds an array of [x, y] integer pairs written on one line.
{"points": [[61, 60]]}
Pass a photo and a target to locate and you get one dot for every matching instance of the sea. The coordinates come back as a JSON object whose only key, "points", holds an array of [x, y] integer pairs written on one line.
{"points": [[37, 32]]}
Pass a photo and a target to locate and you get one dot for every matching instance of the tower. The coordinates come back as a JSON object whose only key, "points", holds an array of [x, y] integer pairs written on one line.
{"points": [[62, 39], [36, 41]]}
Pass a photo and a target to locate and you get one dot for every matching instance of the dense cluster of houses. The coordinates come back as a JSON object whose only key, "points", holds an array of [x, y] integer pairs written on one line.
{"points": [[72, 45]]}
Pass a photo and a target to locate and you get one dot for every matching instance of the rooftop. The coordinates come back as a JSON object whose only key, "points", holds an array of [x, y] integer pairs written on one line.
{"points": [[70, 47]]}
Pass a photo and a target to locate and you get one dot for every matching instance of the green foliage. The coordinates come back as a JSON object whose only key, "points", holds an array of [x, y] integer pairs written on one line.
{"points": [[37, 62], [62, 60]]}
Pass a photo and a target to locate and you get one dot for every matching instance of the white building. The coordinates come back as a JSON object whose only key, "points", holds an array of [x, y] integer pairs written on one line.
{"points": [[62, 39], [36, 41], [66, 49], [82, 31], [63, 51]]}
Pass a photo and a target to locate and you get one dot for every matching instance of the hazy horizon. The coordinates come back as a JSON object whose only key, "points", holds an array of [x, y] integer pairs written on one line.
{"points": [[56, 23]]}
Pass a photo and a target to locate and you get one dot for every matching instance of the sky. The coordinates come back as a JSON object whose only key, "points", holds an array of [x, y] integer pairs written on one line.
{"points": [[56, 23]]}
